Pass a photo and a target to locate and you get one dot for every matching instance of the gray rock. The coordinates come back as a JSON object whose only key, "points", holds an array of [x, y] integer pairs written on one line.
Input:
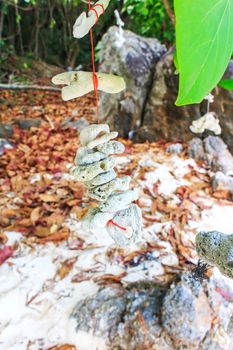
{"points": [[196, 149], [175, 148], [134, 58], [222, 181], [218, 155], [4, 144], [79, 124], [6, 131], [128, 319], [162, 119], [216, 249], [28, 123], [217, 339], [185, 316]]}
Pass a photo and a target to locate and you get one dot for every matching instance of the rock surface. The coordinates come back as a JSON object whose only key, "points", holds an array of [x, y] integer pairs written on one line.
{"points": [[134, 58], [128, 319], [216, 248], [147, 316], [185, 316], [216, 154], [147, 107], [6, 131], [165, 120]]}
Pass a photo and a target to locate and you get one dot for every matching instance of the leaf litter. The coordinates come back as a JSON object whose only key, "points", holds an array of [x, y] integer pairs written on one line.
{"points": [[47, 261]]}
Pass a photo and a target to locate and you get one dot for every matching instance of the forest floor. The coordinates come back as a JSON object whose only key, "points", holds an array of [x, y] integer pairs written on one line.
{"points": [[47, 262]]}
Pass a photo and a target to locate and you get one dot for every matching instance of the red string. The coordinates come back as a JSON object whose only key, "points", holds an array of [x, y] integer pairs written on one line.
{"points": [[96, 12], [116, 224], [94, 75]]}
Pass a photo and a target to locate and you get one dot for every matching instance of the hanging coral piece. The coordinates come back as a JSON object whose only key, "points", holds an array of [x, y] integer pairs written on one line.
{"points": [[207, 122], [85, 22], [80, 83], [95, 167]]}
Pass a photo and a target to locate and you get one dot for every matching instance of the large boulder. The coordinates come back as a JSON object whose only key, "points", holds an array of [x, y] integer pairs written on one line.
{"points": [[145, 315], [163, 120], [125, 319], [186, 315], [133, 57]]}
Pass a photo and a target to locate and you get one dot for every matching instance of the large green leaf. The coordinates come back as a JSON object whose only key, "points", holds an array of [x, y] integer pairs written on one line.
{"points": [[204, 43], [226, 84]]}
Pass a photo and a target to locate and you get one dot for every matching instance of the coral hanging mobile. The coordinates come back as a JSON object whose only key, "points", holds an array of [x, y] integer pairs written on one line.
{"points": [[94, 163]]}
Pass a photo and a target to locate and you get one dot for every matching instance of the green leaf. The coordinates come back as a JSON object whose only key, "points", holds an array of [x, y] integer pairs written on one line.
{"points": [[226, 84], [175, 60], [204, 43]]}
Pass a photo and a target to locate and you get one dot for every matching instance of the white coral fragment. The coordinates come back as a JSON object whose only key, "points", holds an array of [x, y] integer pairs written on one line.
{"points": [[118, 200], [86, 156], [111, 147], [102, 139], [84, 22], [89, 172], [80, 83], [128, 225], [102, 192], [208, 122], [95, 167], [89, 133]]}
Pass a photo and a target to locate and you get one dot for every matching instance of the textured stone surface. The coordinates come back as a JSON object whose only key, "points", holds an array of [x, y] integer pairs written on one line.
{"points": [[164, 120], [126, 318], [186, 316], [148, 316], [134, 58], [28, 123], [218, 155], [221, 181], [4, 145], [216, 248], [6, 131]]}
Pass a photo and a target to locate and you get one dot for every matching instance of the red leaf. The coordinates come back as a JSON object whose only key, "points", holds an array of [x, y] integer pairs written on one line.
{"points": [[5, 253]]}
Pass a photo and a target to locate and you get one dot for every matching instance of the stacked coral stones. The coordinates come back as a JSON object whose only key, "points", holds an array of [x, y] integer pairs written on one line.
{"points": [[95, 167]]}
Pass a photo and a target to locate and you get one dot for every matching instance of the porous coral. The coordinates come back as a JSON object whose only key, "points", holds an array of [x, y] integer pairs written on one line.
{"points": [[95, 167]]}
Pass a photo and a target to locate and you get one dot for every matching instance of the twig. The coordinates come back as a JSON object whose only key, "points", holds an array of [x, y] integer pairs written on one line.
{"points": [[27, 87], [49, 121], [169, 11]]}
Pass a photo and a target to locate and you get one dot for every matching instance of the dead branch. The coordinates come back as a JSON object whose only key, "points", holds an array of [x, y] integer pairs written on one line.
{"points": [[27, 87], [169, 11]]}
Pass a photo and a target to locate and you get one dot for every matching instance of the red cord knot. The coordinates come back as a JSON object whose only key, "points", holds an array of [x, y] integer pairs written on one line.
{"points": [[111, 222], [95, 81], [96, 12]]}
